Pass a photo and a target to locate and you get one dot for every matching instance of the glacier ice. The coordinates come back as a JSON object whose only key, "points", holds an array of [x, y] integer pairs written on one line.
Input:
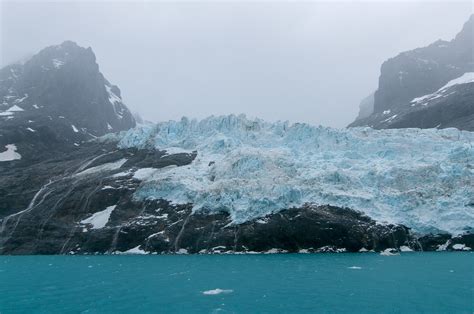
{"points": [[250, 168]]}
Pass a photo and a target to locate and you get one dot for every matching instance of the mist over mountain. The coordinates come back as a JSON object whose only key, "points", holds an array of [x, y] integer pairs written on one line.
{"points": [[429, 87], [57, 99]]}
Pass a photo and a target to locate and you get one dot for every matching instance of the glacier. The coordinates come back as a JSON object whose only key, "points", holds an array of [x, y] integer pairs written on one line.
{"points": [[422, 178]]}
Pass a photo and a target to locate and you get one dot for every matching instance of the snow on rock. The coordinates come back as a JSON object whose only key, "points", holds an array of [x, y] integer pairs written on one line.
{"points": [[10, 154], [104, 167], [15, 108], [99, 220], [57, 63], [135, 250], [250, 168], [463, 79]]}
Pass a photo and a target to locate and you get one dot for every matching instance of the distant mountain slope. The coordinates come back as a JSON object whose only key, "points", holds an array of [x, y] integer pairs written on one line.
{"points": [[423, 71], [57, 99]]}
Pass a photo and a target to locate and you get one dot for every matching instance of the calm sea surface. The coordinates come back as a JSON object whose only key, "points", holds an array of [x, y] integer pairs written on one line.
{"points": [[291, 283]]}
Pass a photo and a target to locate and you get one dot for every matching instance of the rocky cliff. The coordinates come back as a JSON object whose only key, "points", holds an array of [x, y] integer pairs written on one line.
{"points": [[57, 99], [421, 72]]}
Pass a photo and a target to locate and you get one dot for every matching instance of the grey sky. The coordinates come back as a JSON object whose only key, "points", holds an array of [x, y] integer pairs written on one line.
{"points": [[300, 61]]}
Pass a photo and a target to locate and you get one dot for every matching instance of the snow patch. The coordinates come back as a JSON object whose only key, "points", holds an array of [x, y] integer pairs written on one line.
{"points": [[99, 220], [463, 79], [10, 154], [104, 167], [57, 63], [15, 108]]}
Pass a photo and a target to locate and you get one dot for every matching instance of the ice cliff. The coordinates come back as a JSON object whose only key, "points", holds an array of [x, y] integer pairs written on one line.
{"points": [[249, 168]]}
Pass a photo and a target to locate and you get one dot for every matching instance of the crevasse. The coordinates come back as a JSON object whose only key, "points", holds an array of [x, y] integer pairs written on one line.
{"points": [[250, 168]]}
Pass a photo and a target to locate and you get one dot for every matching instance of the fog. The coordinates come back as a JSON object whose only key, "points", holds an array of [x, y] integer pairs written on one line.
{"points": [[300, 61]]}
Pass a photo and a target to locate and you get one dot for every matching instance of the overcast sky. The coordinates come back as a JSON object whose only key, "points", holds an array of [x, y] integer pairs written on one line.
{"points": [[299, 61]]}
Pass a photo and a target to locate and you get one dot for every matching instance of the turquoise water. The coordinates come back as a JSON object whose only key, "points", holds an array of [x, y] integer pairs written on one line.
{"points": [[291, 283]]}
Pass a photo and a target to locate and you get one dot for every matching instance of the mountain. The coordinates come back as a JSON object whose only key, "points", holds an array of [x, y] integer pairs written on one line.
{"points": [[444, 68], [70, 183], [231, 184], [57, 99]]}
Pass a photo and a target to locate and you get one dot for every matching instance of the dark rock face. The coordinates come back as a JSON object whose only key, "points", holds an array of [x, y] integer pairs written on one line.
{"points": [[56, 100], [421, 72], [47, 208]]}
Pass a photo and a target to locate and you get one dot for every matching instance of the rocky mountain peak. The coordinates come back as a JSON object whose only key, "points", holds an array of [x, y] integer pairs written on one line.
{"points": [[60, 89], [421, 72]]}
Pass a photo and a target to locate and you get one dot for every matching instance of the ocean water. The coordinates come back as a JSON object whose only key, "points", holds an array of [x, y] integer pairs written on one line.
{"points": [[287, 283]]}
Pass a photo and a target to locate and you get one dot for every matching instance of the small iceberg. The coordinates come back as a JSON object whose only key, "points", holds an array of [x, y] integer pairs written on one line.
{"points": [[217, 291], [354, 267]]}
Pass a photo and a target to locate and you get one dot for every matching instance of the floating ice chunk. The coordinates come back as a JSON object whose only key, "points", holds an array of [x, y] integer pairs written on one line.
{"points": [[99, 220], [74, 128], [217, 291], [31, 130], [354, 267], [10, 154]]}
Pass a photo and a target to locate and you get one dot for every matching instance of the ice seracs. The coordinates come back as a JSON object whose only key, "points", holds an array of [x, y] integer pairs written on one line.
{"points": [[250, 168]]}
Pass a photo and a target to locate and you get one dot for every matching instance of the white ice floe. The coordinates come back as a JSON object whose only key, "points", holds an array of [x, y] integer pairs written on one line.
{"points": [[74, 128], [31, 130], [354, 267], [251, 168], [10, 154], [99, 220], [217, 291]]}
